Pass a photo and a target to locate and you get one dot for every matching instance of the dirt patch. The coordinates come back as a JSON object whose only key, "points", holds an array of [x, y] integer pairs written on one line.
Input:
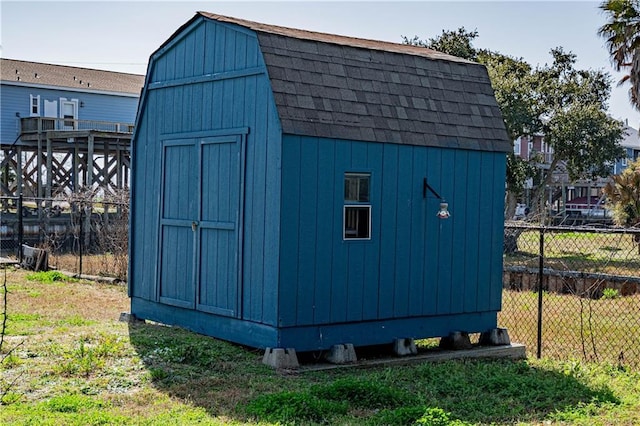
{"points": [[84, 299]]}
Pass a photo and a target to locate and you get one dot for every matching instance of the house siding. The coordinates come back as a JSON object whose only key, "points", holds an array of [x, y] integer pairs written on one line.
{"points": [[98, 107], [211, 79], [414, 265]]}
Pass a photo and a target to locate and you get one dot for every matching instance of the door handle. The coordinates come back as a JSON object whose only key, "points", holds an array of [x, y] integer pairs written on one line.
{"points": [[194, 225]]}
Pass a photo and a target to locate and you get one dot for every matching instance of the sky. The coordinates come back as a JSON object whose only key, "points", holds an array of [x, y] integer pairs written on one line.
{"points": [[121, 35]]}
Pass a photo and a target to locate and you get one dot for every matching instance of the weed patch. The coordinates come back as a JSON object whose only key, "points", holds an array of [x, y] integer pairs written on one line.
{"points": [[89, 356], [11, 361], [10, 398], [72, 403], [158, 374], [610, 293], [20, 324], [49, 277], [100, 371], [68, 410], [397, 417], [294, 408], [439, 417], [80, 363], [363, 394], [75, 321]]}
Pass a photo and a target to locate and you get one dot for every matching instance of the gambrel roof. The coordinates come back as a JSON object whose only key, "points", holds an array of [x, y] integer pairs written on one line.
{"points": [[75, 78], [334, 86]]}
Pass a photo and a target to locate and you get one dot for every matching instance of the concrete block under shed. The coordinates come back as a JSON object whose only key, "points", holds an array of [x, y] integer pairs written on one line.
{"points": [[456, 340], [342, 354], [280, 358], [495, 337], [129, 318], [404, 347]]}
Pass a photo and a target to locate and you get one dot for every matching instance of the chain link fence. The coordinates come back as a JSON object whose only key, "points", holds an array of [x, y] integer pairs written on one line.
{"points": [[573, 292], [568, 291], [82, 233]]}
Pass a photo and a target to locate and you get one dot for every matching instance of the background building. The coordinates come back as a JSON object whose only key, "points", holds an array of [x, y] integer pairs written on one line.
{"points": [[64, 128]]}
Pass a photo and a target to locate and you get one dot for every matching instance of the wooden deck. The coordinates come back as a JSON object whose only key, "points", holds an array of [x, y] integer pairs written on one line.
{"points": [[54, 156]]}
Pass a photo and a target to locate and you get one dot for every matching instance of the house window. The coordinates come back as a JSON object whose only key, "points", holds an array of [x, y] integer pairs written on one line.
{"points": [[547, 150], [357, 207], [624, 161], [34, 106], [516, 147]]}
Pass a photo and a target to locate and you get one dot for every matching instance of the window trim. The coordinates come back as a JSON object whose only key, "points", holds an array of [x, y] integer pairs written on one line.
{"points": [[67, 122], [31, 105], [344, 216], [348, 204]]}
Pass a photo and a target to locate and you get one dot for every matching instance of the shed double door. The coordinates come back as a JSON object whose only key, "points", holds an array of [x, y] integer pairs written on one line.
{"points": [[200, 223]]}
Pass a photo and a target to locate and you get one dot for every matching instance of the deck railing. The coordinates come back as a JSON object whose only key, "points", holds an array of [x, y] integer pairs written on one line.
{"points": [[41, 124]]}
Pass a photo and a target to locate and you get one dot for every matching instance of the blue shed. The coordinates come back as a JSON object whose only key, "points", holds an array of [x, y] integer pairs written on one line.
{"points": [[281, 188]]}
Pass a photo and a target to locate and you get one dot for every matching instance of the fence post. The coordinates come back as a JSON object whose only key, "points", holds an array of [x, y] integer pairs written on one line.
{"points": [[20, 227], [540, 278], [81, 238]]}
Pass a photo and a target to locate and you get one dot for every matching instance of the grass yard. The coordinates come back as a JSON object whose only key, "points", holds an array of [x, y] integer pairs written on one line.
{"points": [[92, 264], [606, 329], [609, 253], [73, 363]]}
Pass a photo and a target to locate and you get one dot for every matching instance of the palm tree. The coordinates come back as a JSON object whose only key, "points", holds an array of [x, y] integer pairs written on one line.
{"points": [[623, 195], [622, 35]]}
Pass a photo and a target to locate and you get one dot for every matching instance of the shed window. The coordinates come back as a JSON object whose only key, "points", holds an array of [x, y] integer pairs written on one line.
{"points": [[34, 108], [357, 207]]}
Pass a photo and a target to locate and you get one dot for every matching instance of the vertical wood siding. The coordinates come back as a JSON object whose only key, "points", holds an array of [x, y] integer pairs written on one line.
{"points": [[191, 98], [219, 223], [415, 264], [178, 201]]}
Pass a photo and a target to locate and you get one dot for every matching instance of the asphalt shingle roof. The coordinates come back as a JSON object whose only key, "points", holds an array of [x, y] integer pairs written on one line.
{"points": [[341, 87], [36, 73]]}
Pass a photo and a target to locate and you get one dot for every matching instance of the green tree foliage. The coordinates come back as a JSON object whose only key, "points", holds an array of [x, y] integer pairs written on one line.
{"points": [[457, 43], [623, 195], [565, 104], [622, 35], [513, 84]]}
